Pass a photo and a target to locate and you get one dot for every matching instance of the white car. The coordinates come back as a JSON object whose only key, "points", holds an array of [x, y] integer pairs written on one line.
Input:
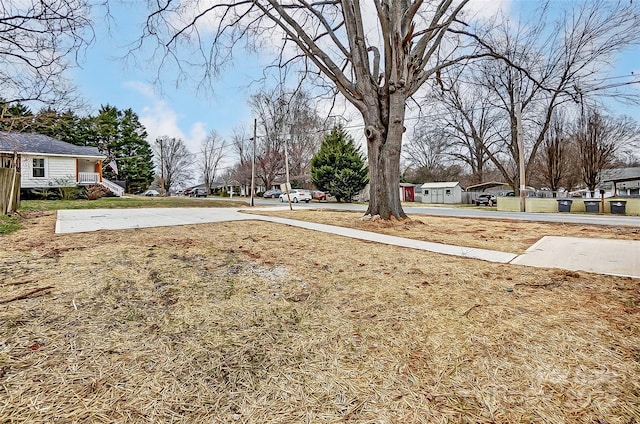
{"points": [[296, 196]]}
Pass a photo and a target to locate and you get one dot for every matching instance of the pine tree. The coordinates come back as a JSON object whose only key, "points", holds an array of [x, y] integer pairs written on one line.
{"points": [[339, 166], [122, 138], [135, 163], [15, 117]]}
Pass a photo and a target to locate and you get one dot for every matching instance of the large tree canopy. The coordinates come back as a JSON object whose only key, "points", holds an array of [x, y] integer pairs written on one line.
{"points": [[376, 57], [375, 60]]}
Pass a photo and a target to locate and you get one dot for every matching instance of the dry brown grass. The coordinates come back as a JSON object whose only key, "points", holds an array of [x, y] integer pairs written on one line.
{"points": [[494, 234], [253, 322]]}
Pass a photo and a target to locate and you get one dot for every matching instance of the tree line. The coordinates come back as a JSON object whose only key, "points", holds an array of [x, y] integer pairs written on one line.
{"points": [[118, 134], [289, 122]]}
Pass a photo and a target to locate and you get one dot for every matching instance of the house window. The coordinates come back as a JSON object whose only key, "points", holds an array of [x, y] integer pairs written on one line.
{"points": [[38, 168], [426, 191], [448, 192]]}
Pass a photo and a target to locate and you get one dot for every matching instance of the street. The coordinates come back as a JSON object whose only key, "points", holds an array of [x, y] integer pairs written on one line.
{"points": [[471, 212]]}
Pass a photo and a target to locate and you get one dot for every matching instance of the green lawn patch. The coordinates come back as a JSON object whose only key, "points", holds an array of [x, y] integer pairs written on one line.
{"points": [[8, 224], [129, 202]]}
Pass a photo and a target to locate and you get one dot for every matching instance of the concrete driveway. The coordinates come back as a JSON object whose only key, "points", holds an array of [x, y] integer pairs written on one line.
{"points": [[603, 256]]}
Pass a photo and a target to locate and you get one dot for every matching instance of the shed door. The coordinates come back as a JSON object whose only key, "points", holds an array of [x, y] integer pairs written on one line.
{"points": [[407, 194]]}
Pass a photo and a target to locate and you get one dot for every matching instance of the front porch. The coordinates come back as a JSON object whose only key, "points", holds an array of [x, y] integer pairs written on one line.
{"points": [[90, 178]]}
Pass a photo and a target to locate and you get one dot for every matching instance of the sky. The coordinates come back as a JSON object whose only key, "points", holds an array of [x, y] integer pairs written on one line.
{"points": [[189, 112]]}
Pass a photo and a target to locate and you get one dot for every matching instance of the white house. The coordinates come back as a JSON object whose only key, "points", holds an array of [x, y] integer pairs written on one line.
{"points": [[446, 192], [621, 181], [44, 162]]}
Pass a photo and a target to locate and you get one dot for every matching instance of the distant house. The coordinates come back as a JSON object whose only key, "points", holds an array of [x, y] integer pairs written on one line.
{"points": [[621, 181], [44, 162], [444, 192]]}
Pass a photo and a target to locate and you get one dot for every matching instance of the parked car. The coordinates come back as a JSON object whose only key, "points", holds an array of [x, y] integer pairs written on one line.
{"points": [[198, 192], [318, 195], [272, 194], [296, 196], [486, 199], [151, 193]]}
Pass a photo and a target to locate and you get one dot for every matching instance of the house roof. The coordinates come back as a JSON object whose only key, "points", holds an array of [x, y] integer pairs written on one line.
{"points": [[487, 185], [441, 185], [43, 145], [620, 175]]}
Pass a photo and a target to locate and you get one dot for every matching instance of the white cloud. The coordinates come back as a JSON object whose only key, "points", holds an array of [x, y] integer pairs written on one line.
{"points": [[160, 119], [141, 87], [487, 9]]}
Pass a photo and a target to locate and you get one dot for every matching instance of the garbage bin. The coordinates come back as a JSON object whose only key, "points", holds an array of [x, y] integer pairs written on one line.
{"points": [[618, 206], [592, 206], [564, 205]]}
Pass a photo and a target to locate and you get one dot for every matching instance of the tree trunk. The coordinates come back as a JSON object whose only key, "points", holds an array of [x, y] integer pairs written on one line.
{"points": [[384, 145]]}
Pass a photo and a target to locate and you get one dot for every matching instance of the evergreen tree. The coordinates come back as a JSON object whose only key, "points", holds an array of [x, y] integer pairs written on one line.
{"points": [[15, 117], [134, 156], [122, 138], [339, 167], [66, 126]]}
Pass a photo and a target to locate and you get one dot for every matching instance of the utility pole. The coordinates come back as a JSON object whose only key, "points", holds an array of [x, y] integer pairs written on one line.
{"points": [[519, 136], [253, 159], [286, 167], [164, 192]]}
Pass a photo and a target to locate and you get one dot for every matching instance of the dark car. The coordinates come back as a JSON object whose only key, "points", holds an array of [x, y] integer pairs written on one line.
{"points": [[486, 199], [272, 194], [198, 192]]}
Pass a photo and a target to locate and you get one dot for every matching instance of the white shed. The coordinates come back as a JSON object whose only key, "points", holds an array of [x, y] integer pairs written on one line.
{"points": [[447, 192]]}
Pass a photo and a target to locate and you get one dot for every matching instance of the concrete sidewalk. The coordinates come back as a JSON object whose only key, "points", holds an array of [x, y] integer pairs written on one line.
{"points": [[604, 256], [601, 256]]}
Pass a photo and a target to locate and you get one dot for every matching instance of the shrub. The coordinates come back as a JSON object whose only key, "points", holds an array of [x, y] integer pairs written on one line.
{"points": [[96, 191], [69, 193]]}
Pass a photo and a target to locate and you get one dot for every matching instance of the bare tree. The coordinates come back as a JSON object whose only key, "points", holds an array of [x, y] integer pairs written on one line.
{"points": [[285, 116], [428, 146], [39, 42], [468, 121], [305, 133], [212, 151], [558, 62], [428, 154], [273, 130], [173, 161], [599, 138], [242, 145], [554, 153], [376, 64]]}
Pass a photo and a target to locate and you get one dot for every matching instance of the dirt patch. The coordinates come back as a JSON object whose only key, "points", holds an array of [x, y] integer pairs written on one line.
{"points": [[255, 322]]}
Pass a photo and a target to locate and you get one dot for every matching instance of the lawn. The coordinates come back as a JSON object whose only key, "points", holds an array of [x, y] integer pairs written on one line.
{"points": [[495, 234], [8, 224], [254, 322], [129, 202], [11, 224]]}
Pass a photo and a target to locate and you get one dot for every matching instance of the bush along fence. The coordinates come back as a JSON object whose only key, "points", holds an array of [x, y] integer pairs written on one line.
{"points": [[9, 190]]}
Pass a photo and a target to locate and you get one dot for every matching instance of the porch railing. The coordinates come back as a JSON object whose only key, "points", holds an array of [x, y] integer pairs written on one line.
{"points": [[88, 178], [94, 178]]}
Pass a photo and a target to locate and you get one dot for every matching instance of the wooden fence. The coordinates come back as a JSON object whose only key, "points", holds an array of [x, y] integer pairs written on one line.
{"points": [[6, 179]]}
